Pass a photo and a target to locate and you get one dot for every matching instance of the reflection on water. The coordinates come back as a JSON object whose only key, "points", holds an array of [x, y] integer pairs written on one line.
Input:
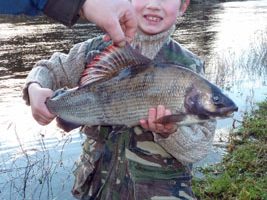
{"points": [[37, 161], [23, 41]]}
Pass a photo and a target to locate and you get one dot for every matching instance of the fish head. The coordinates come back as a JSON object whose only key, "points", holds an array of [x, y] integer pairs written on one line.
{"points": [[207, 101]]}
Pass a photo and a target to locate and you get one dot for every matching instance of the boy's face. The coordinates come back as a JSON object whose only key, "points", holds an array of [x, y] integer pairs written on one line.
{"points": [[156, 16]]}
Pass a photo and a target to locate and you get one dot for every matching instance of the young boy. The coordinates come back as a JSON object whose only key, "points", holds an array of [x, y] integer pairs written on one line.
{"points": [[129, 163]]}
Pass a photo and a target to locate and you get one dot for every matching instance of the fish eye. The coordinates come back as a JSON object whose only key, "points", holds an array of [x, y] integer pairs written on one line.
{"points": [[216, 99]]}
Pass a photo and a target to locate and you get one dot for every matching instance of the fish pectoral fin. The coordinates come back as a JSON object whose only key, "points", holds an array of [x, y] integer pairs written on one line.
{"points": [[173, 118], [110, 62]]}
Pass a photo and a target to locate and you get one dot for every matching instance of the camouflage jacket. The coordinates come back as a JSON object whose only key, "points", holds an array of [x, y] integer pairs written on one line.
{"points": [[122, 163], [128, 163]]}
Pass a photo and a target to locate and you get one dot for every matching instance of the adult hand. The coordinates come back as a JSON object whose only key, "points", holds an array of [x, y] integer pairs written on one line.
{"points": [[38, 97], [116, 17], [163, 129]]}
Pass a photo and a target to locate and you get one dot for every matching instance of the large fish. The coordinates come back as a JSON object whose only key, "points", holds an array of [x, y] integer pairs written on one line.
{"points": [[120, 85]]}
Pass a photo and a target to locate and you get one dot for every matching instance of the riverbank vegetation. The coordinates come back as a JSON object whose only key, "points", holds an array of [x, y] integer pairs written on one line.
{"points": [[242, 175]]}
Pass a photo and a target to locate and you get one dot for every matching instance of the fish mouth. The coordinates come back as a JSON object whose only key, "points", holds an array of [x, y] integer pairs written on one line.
{"points": [[220, 113], [227, 111]]}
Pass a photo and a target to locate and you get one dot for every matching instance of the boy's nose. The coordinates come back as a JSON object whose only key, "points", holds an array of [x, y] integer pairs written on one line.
{"points": [[153, 4]]}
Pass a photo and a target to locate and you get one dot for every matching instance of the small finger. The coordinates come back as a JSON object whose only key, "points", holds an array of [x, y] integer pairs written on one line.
{"points": [[42, 121], [152, 114], [106, 38], [160, 113], [168, 112], [144, 124], [48, 115]]}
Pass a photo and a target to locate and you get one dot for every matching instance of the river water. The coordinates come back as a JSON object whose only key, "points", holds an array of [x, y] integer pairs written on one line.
{"points": [[37, 162]]}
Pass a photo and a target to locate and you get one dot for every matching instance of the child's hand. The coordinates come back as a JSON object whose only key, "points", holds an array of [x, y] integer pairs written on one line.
{"points": [[38, 97], [163, 129]]}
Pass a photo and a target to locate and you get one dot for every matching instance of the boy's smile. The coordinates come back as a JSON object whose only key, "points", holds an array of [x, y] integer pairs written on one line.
{"points": [[152, 18], [156, 16]]}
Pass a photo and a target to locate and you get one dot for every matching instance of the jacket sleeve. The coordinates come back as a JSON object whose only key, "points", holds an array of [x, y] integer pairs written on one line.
{"points": [[189, 144], [61, 70], [28, 7], [64, 11]]}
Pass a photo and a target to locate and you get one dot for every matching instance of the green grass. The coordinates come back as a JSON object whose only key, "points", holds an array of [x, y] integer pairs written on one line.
{"points": [[242, 175]]}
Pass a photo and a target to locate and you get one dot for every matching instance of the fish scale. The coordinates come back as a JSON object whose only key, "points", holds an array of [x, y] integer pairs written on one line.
{"points": [[123, 96], [126, 96]]}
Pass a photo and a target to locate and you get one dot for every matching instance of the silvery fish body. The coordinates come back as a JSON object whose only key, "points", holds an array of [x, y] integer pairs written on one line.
{"points": [[120, 86]]}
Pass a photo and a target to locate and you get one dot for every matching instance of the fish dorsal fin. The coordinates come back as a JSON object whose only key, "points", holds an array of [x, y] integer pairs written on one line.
{"points": [[110, 62]]}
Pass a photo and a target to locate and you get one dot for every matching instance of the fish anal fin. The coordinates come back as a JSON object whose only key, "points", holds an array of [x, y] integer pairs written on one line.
{"points": [[173, 118], [110, 62]]}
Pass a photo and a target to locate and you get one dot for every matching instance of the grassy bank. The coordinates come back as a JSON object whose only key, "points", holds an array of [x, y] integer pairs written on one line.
{"points": [[242, 175]]}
